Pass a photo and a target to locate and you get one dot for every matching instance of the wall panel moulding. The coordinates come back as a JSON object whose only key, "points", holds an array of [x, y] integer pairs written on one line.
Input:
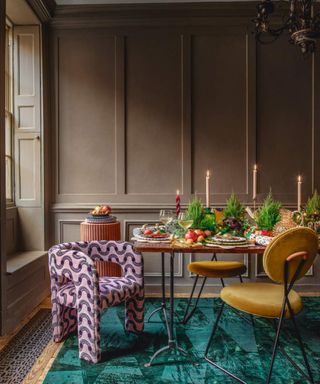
{"points": [[69, 16]]}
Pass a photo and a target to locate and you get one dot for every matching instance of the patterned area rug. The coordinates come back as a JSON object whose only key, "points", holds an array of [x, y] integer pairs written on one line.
{"points": [[240, 347], [18, 357]]}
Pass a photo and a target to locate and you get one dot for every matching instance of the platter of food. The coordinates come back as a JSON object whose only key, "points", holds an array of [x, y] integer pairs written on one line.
{"points": [[153, 233], [227, 240]]}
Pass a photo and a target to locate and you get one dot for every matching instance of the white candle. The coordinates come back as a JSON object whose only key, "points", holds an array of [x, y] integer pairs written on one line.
{"points": [[299, 192], [254, 182], [208, 189]]}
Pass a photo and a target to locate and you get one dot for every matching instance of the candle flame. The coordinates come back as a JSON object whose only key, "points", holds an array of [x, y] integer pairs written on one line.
{"points": [[299, 179], [178, 192], [208, 173], [255, 167]]}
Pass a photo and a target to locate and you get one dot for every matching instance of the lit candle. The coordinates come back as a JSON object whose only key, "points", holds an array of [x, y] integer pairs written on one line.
{"points": [[177, 202], [299, 192], [254, 182], [208, 189]]}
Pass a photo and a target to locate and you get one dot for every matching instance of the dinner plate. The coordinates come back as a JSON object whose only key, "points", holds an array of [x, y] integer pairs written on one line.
{"points": [[229, 240], [138, 233], [100, 218]]}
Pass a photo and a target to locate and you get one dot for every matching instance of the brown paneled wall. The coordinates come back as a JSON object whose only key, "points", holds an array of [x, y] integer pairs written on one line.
{"points": [[143, 104]]}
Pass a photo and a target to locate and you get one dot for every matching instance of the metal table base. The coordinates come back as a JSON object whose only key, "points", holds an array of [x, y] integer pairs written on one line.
{"points": [[172, 342]]}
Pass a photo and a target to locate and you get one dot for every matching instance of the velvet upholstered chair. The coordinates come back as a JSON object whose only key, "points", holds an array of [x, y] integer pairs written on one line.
{"points": [[211, 269], [286, 259], [79, 295]]}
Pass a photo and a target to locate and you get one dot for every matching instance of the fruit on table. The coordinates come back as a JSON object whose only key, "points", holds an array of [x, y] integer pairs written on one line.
{"points": [[147, 232], [101, 210], [195, 235], [189, 241], [207, 233], [191, 235], [199, 232]]}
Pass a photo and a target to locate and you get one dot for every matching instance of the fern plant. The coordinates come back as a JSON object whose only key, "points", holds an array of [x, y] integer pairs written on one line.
{"points": [[268, 215], [313, 204], [234, 209], [195, 212]]}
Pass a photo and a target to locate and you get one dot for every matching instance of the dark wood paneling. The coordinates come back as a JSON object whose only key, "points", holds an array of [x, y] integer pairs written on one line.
{"points": [[316, 118], [219, 120], [284, 119], [153, 114], [86, 141], [27, 287], [3, 257], [192, 91]]}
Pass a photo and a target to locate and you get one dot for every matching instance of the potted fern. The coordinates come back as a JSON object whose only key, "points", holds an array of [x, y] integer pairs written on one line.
{"points": [[311, 213], [195, 212], [234, 216], [203, 221], [268, 215]]}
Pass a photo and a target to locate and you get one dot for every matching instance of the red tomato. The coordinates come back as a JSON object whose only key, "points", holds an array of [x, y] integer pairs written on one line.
{"points": [[199, 232], [147, 232]]}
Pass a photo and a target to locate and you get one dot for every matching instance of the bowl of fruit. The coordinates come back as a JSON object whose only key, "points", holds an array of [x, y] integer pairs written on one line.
{"points": [[101, 210]]}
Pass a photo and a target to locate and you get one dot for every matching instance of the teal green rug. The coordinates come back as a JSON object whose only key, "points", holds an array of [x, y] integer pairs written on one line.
{"points": [[239, 346]]}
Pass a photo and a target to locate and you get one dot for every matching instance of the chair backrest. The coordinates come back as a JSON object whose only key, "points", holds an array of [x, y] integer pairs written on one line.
{"points": [[299, 239]]}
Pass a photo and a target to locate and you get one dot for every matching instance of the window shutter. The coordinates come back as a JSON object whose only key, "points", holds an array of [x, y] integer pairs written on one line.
{"points": [[27, 115]]}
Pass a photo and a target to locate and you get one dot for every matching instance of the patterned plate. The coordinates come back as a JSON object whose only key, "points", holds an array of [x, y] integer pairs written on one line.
{"points": [[100, 219], [229, 240], [138, 233]]}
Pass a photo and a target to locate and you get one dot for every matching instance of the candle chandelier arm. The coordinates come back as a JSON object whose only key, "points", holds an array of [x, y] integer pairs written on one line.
{"points": [[303, 28]]}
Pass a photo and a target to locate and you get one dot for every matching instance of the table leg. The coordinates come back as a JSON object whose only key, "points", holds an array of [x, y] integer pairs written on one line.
{"points": [[172, 342], [163, 281], [163, 305]]}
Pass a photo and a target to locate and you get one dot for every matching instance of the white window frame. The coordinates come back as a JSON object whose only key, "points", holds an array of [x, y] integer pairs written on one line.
{"points": [[9, 154]]}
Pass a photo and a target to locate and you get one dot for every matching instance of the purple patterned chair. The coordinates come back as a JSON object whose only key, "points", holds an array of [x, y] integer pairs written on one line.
{"points": [[78, 295]]}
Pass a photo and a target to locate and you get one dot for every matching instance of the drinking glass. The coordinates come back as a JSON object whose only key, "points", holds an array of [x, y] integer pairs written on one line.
{"points": [[183, 221], [166, 216]]}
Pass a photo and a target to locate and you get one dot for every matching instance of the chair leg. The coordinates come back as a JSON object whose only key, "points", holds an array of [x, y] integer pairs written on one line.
{"points": [[292, 316], [276, 342], [215, 326], [214, 329], [64, 321], [187, 316], [89, 333], [135, 312]]}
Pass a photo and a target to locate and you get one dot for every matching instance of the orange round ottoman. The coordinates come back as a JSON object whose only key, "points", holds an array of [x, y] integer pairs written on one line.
{"points": [[100, 231]]}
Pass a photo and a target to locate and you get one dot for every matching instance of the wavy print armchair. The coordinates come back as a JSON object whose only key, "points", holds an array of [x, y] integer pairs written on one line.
{"points": [[79, 295]]}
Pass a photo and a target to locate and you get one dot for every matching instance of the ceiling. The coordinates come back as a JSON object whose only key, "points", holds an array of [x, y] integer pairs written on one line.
{"points": [[71, 2]]}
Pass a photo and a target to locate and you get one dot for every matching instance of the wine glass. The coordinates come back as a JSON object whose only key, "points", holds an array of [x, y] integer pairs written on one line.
{"points": [[166, 216], [184, 221]]}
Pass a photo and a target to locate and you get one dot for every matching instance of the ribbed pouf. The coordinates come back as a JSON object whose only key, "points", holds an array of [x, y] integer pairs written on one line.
{"points": [[100, 231]]}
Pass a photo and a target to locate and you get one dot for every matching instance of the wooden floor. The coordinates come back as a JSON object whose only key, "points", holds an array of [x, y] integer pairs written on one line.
{"points": [[43, 364], [5, 339]]}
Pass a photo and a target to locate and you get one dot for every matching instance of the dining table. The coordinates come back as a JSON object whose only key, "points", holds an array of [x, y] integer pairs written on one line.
{"points": [[171, 249]]}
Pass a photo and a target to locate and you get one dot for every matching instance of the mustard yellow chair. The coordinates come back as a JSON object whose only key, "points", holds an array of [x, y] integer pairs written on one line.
{"points": [[214, 269], [286, 259]]}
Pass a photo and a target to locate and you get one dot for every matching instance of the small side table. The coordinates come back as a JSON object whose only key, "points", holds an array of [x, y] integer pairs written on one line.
{"points": [[100, 231]]}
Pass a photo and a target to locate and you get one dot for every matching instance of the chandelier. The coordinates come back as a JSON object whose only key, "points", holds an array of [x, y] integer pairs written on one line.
{"points": [[302, 26]]}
